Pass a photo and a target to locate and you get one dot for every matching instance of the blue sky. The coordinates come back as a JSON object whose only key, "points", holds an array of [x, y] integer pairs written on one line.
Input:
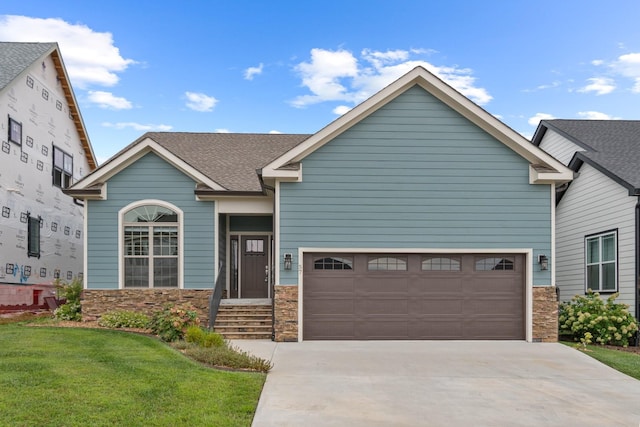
{"points": [[294, 66]]}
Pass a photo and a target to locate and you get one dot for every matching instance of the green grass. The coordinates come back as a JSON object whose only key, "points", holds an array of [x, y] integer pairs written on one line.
{"points": [[623, 361], [87, 377]]}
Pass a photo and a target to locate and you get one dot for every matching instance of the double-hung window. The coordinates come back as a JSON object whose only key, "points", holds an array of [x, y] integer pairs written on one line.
{"points": [[62, 168], [602, 262], [151, 247]]}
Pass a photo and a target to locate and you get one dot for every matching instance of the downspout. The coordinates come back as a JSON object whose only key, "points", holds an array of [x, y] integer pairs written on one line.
{"points": [[637, 292], [275, 258]]}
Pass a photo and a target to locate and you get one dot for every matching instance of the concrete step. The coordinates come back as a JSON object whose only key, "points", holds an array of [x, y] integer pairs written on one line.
{"points": [[248, 336]]}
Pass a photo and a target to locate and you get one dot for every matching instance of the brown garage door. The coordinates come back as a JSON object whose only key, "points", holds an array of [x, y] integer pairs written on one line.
{"points": [[413, 296]]}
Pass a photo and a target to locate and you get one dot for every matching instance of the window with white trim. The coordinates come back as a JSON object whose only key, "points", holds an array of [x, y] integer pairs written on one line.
{"points": [[62, 168], [151, 248], [601, 263]]}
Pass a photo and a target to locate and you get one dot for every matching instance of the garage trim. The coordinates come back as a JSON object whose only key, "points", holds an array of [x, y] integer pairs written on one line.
{"points": [[528, 253]]}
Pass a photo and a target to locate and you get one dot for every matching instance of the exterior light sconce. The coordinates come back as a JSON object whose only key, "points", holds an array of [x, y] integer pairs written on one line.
{"points": [[544, 262], [287, 261]]}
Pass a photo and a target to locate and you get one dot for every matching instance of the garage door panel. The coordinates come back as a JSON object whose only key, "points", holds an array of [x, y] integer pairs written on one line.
{"points": [[382, 306], [441, 306], [387, 284], [331, 305], [459, 303]]}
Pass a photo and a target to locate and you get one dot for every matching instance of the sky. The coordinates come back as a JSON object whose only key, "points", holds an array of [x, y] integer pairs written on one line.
{"points": [[285, 66]]}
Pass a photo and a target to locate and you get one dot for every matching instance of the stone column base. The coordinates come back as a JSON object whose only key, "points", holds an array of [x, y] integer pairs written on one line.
{"points": [[545, 314], [285, 313]]}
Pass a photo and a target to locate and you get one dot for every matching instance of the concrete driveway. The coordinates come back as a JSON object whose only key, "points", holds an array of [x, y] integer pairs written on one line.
{"points": [[440, 383]]}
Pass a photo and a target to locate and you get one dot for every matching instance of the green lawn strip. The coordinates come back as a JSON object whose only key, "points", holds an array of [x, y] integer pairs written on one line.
{"points": [[623, 361], [78, 377]]}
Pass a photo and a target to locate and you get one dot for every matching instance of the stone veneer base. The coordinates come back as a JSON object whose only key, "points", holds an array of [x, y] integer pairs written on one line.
{"points": [[545, 314], [285, 313], [97, 302]]}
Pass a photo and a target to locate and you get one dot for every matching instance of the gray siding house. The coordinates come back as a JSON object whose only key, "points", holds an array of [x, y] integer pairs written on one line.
{"points": [[597, 214], [416, 215]]}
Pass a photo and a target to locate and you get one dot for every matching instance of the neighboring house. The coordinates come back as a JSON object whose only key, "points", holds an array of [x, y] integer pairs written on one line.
{"points": [[598, 214], [45, 148], [416, 215]]}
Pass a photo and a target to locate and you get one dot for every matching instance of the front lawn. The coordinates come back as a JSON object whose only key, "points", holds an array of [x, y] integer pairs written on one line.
{"points": [[79, 377], [627, 362]]}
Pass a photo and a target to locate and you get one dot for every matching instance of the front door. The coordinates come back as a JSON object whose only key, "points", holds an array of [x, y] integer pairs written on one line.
{"points": [[254, 267]]}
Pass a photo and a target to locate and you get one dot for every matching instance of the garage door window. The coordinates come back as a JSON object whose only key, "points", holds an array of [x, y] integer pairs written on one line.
{"points": [[494, 264], [333, 263], [387, 264], [441, 264]]}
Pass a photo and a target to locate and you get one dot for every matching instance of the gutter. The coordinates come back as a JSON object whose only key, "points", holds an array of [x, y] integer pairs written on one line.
{"points": [[637, 290]]}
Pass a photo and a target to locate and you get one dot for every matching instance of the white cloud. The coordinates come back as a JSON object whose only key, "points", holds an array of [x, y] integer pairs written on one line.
{"points": [[597, 62], [107, 100], [533, 121], [222, 130], [90, 57], [596, 115], [138, 126], [341, 109], [251, 72], [200, 101], [599, 85], [628, 65], [340, 76], [274, 132]]}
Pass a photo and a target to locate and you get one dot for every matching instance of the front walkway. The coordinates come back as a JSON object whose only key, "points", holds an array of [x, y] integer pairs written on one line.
{"points": [[440, 383]]}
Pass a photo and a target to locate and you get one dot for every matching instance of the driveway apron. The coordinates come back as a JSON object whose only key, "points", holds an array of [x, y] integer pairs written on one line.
{"points": [[440, 383]]}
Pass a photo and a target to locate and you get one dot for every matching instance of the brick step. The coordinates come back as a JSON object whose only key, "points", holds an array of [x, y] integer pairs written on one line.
{"points": [[245, 316], [242, 323], [247, 335], [242, 328]]}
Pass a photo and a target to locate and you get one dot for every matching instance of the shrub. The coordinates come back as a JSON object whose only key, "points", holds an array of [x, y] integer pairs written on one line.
{"points": [[587, 318], [225, 356], [203, 338], [124, 319], [72, 292], [171, 323]]}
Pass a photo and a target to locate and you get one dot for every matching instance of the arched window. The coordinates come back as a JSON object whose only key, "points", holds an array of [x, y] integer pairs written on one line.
{"points": [[151, 249]]}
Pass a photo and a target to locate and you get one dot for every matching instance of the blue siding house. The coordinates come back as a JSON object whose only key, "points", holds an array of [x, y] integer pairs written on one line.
{"points": [[416, 215]]}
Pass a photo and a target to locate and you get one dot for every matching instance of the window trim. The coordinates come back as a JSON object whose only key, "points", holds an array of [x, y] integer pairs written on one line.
{"points": [[66, 177], [10, 135], [121, 226], [599, 236]]}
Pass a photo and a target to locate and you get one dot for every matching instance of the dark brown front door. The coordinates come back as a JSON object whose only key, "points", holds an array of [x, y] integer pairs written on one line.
{"points": [[254, 273]]}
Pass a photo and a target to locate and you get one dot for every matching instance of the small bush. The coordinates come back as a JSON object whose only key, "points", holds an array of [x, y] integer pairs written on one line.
{"points": [[72, 292], [199, 336], [587, 318], [224, 356], [124, 319], [171, 323]]}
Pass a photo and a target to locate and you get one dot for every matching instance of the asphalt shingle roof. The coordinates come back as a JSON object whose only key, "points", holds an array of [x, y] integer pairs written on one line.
{"points": [[612, 144], [229, 159], [16, 57]]}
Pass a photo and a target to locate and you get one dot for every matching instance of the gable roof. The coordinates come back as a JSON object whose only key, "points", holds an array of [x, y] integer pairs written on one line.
{"points": [[17, 58], [543, 169], [218, 162], [611, 146]]}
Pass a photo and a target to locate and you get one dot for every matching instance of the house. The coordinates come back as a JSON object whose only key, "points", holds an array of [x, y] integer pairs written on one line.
{"points": [[416, 215], [598, 214], [45, 148]]}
